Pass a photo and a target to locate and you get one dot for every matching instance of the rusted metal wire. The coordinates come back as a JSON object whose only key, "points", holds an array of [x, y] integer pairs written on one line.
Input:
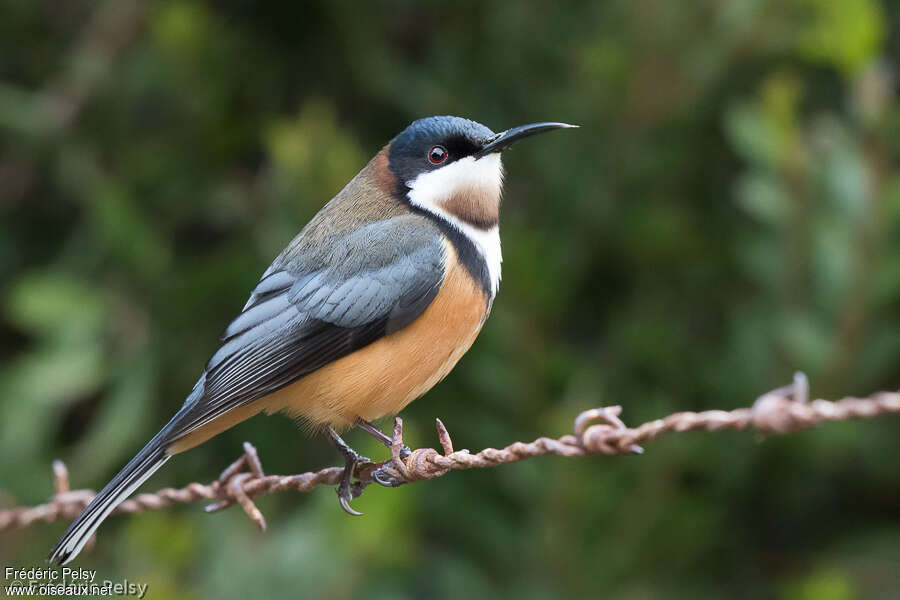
{"points": [[596, 431]]}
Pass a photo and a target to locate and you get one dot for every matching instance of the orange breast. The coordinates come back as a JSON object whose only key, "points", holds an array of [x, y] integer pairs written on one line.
{"points": [[386, 375]]}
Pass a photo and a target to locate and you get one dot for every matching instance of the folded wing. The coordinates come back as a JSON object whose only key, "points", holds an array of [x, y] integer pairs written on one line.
{"points": [[302, 316]]}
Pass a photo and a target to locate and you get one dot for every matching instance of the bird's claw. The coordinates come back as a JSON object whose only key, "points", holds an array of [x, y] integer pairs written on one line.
{"points": [[347, 490], [345, 504], [385, 477], [382, 477]]}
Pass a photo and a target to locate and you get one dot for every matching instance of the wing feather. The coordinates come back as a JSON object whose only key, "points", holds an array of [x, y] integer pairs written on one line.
{"points": [[302, 316]]}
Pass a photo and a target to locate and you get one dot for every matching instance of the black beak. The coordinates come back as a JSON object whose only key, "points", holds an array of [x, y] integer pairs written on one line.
{"points": [[505, 139]]}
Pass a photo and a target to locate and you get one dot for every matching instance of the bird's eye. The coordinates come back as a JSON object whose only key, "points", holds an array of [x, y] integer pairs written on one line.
{"points": [[437, 155]]}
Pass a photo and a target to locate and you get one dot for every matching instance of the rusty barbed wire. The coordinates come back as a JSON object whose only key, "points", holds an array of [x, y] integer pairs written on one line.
{"points": [[596, 431]]}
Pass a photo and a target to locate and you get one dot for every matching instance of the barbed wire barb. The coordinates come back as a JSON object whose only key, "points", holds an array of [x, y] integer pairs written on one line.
{"points": [[595, 431]]}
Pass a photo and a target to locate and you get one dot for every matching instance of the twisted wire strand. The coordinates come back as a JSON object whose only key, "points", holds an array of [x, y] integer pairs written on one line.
{"points": [[596, 431]]}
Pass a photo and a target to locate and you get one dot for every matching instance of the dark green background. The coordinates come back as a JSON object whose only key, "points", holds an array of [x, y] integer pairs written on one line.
{"points": [[728, 213]]}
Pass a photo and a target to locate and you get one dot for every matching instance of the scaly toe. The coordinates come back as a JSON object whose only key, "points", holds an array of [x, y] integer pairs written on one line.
{"points": [[345, 504], [345, 488], [381, 477]]}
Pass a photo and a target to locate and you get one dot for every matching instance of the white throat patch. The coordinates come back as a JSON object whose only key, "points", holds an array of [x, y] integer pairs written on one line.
{"points": [[431, 190]]}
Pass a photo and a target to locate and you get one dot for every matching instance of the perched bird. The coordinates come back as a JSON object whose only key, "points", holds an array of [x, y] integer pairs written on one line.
{"points": [[370, 306]]}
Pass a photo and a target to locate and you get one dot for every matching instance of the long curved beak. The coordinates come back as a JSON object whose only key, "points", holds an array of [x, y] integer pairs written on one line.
{"points": [[505, 139]]}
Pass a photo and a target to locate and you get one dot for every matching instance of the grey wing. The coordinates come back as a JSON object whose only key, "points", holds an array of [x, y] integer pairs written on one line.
{"points": [[306, 313]]}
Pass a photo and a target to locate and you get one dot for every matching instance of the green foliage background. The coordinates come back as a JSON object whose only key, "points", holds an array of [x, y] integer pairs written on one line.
{"points": [[729, 212]]}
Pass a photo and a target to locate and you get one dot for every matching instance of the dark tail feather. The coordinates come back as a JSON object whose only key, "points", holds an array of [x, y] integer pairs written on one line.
{"points": [[142, 466], [138, 470]]}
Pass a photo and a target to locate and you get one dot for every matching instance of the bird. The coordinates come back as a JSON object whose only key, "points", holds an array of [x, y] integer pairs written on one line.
{"points": [[365, 310]]}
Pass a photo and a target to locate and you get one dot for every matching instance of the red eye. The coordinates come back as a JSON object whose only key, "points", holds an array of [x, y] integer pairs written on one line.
{"points": [[437, 155]]}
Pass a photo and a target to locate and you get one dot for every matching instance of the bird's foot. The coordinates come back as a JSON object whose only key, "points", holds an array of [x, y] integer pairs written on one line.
{"points": [[347, 489], [383, 475], [386, 475]]}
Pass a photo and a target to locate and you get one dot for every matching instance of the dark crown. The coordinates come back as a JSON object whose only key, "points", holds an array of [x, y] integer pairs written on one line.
{"points": [[409, 150]]}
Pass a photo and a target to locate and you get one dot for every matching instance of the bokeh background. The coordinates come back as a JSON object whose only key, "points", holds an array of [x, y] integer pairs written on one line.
{"points": [[728, 213]]}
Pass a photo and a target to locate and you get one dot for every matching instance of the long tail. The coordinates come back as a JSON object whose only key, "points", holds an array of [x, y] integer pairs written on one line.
{"points": [[138, 470], [142, 466]]}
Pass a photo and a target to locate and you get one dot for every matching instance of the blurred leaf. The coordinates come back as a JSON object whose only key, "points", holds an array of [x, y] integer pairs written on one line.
{"points": [[54, 305], [845, 33], [761, 195], [825, 584]]}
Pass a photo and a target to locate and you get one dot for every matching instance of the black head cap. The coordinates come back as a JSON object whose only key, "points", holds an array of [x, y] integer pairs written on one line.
{"points": [[434, 142]]}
